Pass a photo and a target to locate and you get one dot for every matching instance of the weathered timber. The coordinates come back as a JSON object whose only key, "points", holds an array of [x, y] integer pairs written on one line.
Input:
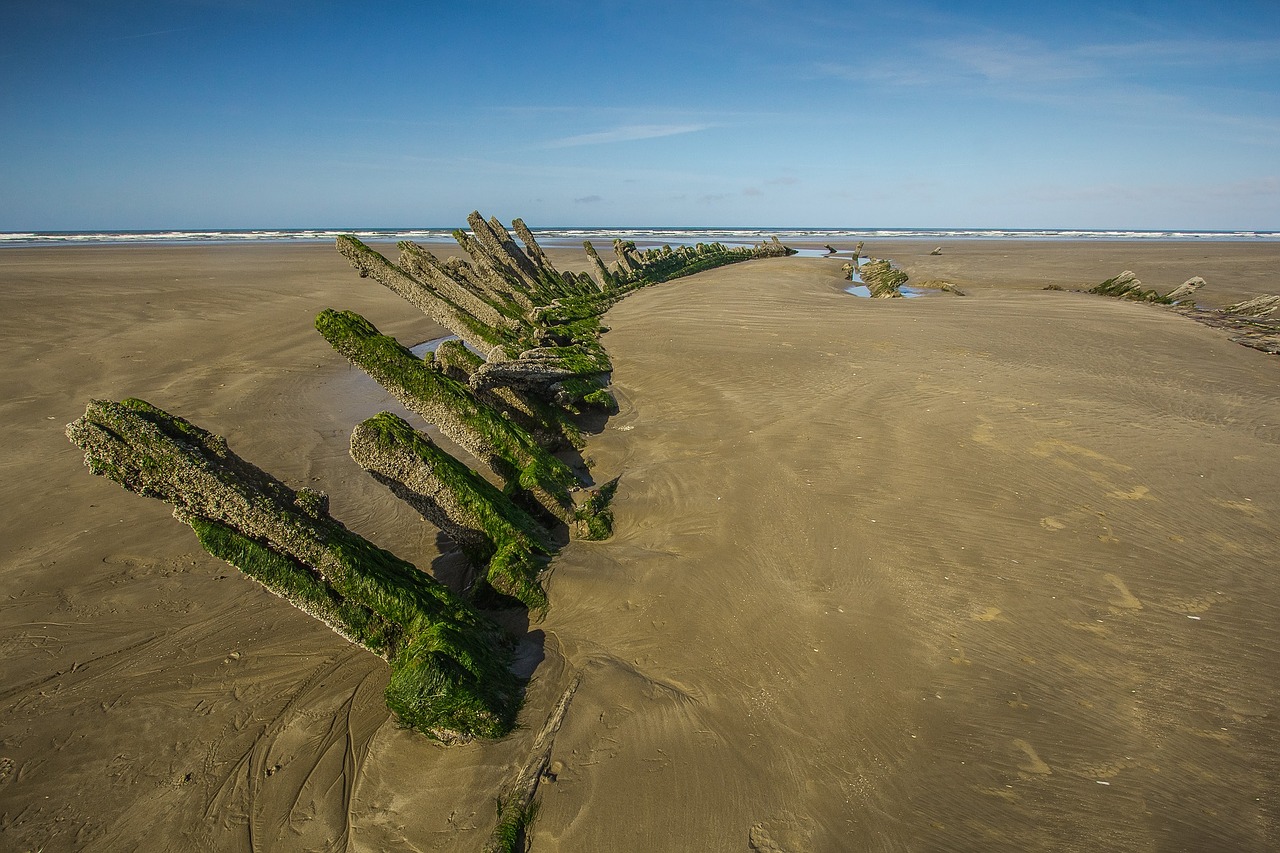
{"points": [[450, 666], [494, 273], [499, 538], [536, 256], [490, 308], [882, 278], [1254, 330], [520, 258], [518, 805], [512, 264], [456, 360], [603, 276], [1184, 293], [548, 424], [639, 267], [1128, 286], [542, 366], [439, 308], [594, 518], [480, 429], [468, 276], [1248, 321], [1259, 306]]}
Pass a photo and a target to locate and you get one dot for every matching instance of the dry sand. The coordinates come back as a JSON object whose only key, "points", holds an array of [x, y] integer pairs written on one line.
{"points": [[984, 573]]}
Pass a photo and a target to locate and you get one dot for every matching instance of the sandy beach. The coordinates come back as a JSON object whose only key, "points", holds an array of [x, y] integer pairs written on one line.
{"points": [[984, 573]]}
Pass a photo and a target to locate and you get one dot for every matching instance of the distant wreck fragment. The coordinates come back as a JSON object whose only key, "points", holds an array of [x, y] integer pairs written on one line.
{"points": [[882, 278], [1259, 306], [1251, 321], [450, 675], [1127, 286]]}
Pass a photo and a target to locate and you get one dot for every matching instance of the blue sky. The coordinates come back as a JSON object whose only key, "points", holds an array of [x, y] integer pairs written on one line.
{"points": [[242, 114]]}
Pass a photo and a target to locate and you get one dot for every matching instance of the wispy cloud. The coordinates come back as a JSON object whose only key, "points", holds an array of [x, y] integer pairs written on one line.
{"points": [[627, 133], [1126, 80], [149, 34], [1019, 63], [588, 199]]}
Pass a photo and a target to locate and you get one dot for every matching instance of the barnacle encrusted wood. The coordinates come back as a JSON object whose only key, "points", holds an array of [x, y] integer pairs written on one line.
{"points": [[450, 675], [882, 278], [489, 528], [497, 441], [1128, 286]]}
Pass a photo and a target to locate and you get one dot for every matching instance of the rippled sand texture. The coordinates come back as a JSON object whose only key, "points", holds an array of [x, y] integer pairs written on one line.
{"points": [[983, 573]]}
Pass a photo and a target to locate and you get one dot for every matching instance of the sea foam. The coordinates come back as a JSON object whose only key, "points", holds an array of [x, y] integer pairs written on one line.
{"points": [[573, 237]]}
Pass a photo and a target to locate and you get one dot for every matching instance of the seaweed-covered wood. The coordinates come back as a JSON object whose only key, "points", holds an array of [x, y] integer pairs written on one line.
{"points": [[450, 666], [497, 536], [639, 267], [484, 337], [497, 441], [882, 278], [1128, 286]]}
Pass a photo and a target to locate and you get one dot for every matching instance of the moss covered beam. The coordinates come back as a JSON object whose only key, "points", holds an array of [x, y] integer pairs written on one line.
{"points": [[882, 279], [496, 309], [486, 246], [1128, 286], [496, 273], [450, 666], [636, 268], [539, 368], [442, 310], [537, 257], [518, 258], [500, 539], [479, 428], [604, 278]]}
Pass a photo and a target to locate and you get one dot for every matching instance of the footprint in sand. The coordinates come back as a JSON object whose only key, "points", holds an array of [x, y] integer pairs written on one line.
{"points": [[1125, 600], [1051, 523], [1034, 764]]}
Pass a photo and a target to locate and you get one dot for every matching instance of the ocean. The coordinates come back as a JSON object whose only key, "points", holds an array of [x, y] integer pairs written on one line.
{"points": [[561, 237]]}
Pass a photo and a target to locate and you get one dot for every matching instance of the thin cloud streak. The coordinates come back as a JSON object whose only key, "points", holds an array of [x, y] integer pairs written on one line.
{"points": [[1022, 62], [627, 133]]}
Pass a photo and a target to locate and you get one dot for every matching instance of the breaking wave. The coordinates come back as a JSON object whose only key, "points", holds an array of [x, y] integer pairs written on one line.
{"points": [[605, 236]]}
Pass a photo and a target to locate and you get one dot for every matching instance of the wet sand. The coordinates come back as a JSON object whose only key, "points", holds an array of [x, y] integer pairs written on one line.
{"points": [[982, 573]]}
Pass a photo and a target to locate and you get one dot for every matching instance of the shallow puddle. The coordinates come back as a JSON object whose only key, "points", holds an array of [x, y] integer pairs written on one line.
{"points": [[430, 346], [865, 292]]}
